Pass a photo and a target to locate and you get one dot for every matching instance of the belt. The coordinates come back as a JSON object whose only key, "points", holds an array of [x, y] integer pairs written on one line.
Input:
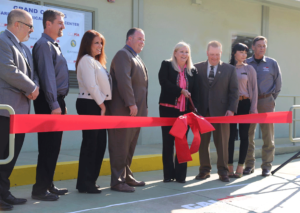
{"points": [[243, 97], [61, 96], [264, 96]]}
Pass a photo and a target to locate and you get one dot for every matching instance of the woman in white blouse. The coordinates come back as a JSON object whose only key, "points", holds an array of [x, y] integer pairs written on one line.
{"points": [[94, 90]]}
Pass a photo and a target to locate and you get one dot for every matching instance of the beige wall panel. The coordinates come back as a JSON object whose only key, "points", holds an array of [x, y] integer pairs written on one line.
{"points": [[170, 21], [283, 45]]}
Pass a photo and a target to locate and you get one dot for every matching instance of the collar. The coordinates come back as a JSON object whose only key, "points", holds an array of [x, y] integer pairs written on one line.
{"points": [[49, 38], [215, 67], [253, 59], [131, 50], [13, 35]]}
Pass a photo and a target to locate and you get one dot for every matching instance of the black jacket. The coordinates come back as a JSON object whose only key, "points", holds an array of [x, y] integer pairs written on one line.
{"points": [[170, 91]]}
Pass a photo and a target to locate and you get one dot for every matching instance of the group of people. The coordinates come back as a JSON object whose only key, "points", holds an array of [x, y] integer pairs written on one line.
{"points": [[216, 89]]}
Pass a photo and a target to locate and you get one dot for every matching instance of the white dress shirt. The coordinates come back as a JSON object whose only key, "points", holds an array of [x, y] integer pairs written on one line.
{"points": [[208, 69]]}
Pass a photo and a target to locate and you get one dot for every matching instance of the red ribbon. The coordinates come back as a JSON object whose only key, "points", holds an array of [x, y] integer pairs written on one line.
{"points": [[51, 123], [197, 124]]}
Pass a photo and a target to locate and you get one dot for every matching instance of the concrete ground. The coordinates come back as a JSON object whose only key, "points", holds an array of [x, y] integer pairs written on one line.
{"points": [[252, 193]]}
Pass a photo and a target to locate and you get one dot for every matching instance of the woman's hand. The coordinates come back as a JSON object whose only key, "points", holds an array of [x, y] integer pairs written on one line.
{"points": [[186, 93], [103, 109]]}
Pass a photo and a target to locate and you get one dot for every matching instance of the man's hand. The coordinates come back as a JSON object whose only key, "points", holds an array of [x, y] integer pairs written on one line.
{"points": [[229, 113], [66, 110], [133, 110], [34, 94], [56, 111], [186, 93], [103, 109]]}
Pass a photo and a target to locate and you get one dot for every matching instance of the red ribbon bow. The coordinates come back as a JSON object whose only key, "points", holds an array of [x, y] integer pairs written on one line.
{"points": [[197, 124]]}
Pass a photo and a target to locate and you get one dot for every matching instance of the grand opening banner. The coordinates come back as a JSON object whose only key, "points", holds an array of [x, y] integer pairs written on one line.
{"points": [[69, 42]]}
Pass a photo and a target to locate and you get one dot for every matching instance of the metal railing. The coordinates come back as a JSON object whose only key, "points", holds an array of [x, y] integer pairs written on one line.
{"points": [[11, 137], [292, 125]]}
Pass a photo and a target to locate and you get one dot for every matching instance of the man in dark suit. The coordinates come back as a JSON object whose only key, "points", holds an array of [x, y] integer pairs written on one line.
{"points": [[218, 96], [18, 85], [130, 89]]}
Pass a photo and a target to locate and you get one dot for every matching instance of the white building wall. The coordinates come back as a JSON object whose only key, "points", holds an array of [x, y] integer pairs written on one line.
{"points": [[167, 22]]}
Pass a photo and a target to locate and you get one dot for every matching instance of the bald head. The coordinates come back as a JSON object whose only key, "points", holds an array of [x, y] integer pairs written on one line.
{"points": [[20, 23], [17, 15]]}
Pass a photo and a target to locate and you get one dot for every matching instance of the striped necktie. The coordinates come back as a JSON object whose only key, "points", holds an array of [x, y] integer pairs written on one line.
{"points": [[211, 75]]}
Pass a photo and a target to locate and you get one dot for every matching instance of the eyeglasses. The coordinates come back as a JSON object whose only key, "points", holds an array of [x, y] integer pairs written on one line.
{"points": [[30, 26]]}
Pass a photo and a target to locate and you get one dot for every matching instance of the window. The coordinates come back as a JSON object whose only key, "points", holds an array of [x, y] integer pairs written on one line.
{"points": [[245, 40]]}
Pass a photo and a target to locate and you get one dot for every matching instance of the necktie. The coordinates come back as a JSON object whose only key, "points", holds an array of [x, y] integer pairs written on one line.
{"points": [[211, 75]]}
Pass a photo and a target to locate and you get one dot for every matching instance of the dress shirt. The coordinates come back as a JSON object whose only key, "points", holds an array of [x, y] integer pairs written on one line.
{"points": [[208, 69], [135, 54], [52, 69], [268, 75]]}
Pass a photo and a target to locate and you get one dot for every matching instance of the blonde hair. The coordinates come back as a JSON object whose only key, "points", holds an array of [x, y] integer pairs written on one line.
{"points": [[189, 63], [214, 44]]}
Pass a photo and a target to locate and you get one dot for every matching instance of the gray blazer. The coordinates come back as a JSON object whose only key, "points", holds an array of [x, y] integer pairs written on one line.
{"points": [[17, 78], [222, 95]]}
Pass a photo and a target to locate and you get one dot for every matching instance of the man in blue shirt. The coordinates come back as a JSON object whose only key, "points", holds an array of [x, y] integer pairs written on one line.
{"points": [[269, 86], [52, 70]]}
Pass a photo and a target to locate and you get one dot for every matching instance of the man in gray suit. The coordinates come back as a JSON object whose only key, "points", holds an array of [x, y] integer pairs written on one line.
{"points": [[18, 85], [218, 93], [130, 89]]}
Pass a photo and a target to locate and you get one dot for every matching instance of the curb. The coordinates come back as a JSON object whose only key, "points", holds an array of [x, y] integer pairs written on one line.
{"points": [[25, 175]]}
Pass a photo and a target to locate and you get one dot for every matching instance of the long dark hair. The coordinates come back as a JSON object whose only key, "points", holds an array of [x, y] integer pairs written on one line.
{"points": [[86, 44], [237, 47]]}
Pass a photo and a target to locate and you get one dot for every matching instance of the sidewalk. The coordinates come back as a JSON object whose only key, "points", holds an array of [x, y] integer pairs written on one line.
{"points": [[252, 193], [147, 158]]}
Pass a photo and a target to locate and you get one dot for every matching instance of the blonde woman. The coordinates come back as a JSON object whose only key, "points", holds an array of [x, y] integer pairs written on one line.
{"points": [[178, 80]]}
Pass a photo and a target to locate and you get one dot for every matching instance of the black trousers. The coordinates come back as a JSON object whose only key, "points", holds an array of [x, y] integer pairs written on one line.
{"points": [[172, 170], [49, 144], [6, 169], [243, 109], [92, 148]]}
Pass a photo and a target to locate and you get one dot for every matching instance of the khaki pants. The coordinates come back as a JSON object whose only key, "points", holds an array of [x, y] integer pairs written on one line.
{"points": [[268, 148]]}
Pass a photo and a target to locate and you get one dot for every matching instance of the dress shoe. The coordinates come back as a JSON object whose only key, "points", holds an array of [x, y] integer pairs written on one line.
{"points": [[266, 172], [57, 191], [122, 187], [5, 206], [248, 170], [224, 178], [202, 176], [135, 183], [47, 196], [97, 186], [90, 191], [168, 180], [180, 181], [12, 200]]}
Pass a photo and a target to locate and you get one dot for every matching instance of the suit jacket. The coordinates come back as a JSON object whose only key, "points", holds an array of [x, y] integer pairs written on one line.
{"points": [[222, 95], [170, 91], [130, 83], [17, 78]]}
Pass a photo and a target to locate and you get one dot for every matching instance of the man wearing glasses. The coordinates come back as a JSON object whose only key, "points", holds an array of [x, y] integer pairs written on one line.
{"points": [[52, 69], [18, 85], [269, 86]]}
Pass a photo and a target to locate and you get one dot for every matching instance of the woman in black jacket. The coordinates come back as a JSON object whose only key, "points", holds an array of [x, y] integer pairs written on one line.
{"points": [[178, 80]]}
